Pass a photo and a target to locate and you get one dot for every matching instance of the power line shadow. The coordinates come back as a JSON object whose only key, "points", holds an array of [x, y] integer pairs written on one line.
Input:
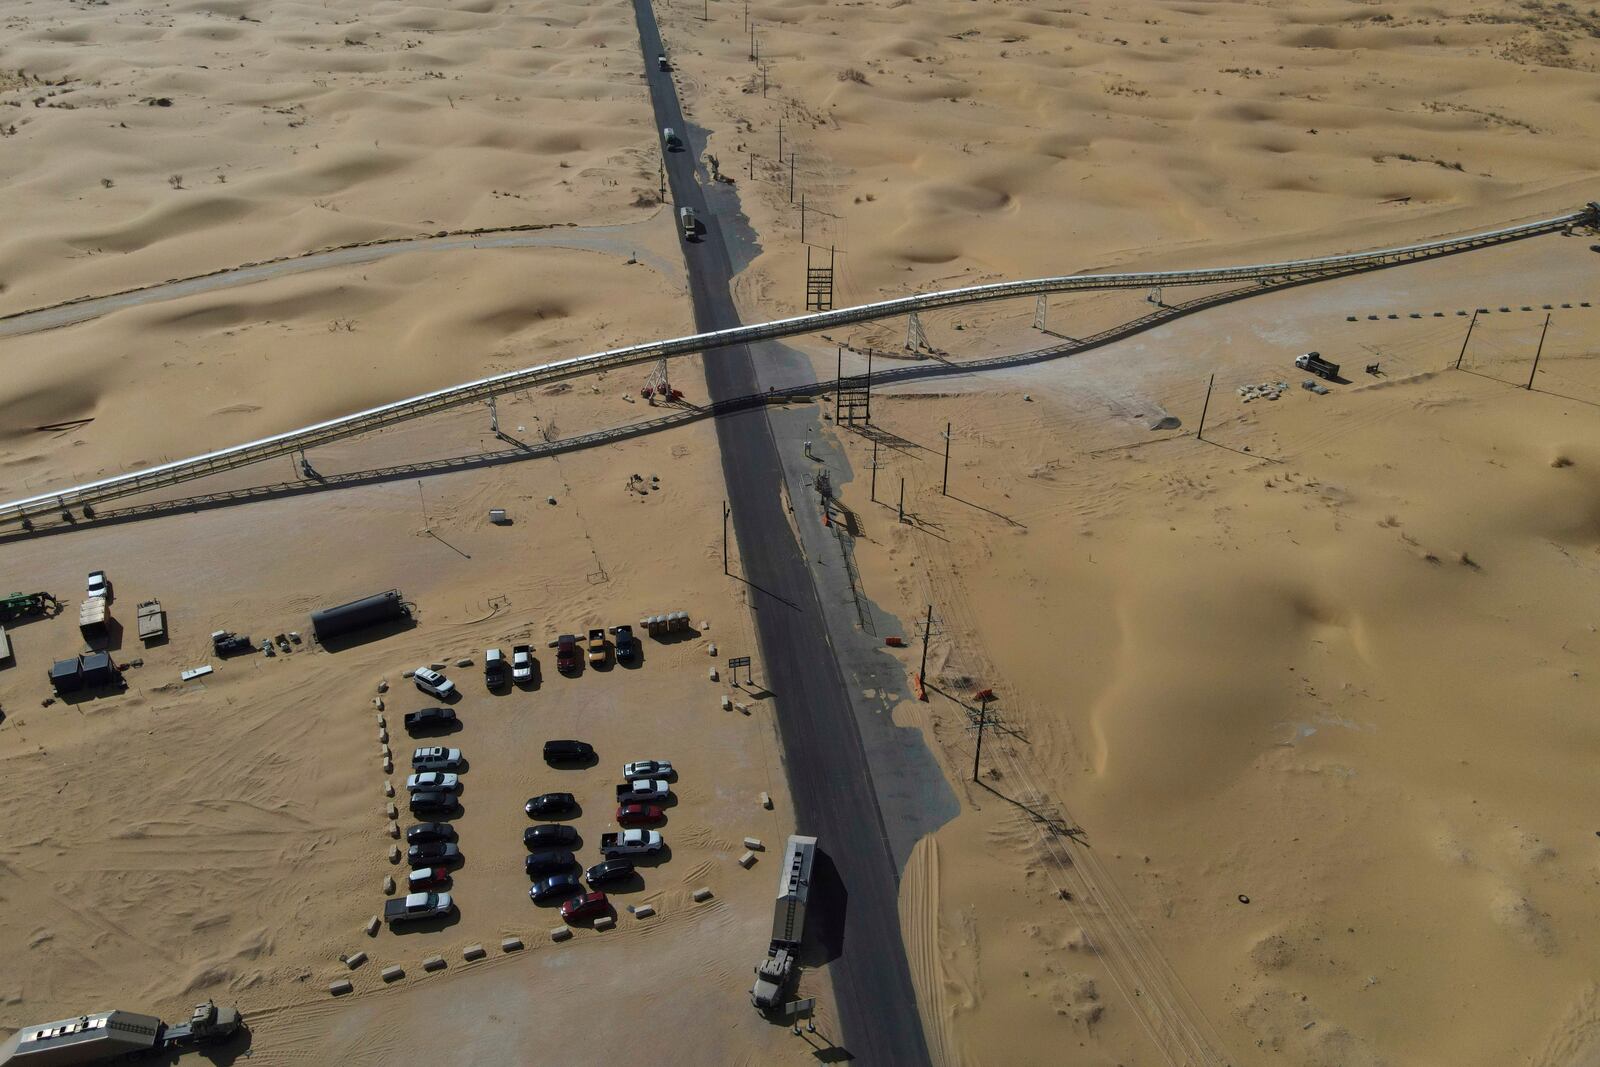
{"points": [[1054, 824], [991, 511]]}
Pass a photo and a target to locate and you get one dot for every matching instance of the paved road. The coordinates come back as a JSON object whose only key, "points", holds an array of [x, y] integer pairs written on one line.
{"points": [[829, 777]]}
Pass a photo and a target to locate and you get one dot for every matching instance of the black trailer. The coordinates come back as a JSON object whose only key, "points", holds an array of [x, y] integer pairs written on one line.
{"points": [[359, 614]]}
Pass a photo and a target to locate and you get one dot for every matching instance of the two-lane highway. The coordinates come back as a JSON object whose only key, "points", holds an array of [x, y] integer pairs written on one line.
{"points": [[829, 776]]}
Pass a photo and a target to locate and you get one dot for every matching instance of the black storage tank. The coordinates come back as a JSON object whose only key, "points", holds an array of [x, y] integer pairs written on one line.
{"points": [[358, 615]]}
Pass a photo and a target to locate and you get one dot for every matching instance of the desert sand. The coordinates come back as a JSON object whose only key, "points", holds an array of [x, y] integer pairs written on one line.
{"points": [[1334, 663]]}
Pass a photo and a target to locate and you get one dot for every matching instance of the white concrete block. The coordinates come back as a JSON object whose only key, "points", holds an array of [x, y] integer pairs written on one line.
{"points": [[747, 860], [644, 911], [754, 844], [511, 944], [372, 926], [473, 952], [433, 963], [394, 974], [341, 987], [560, 933], [702, 894]]}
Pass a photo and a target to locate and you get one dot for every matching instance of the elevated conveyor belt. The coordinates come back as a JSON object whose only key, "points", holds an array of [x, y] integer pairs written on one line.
{"points": [[179, 471]]}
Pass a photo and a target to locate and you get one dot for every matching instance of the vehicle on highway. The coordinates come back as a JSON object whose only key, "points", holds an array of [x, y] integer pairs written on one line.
{"points": [[550, 805], [434, 854], [548, 861], [644, 789], [432, 802], [588, 906], [494, 668], [425, 878], [662, 64], [423, 832], [433, 782], [636, 814], [567, 654], [670, 138], [597, 646], [430, 719], [647, 768], [97, 586], [627, 647], [555, 887], [568, 752], [417, 906], [550, 835], [687, 222], [433, 683], [435, 759], [631, 843], [609, 871], [788, 924]]}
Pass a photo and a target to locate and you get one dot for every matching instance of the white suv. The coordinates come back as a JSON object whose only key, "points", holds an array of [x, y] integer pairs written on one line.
{"points": [[433, 683]]}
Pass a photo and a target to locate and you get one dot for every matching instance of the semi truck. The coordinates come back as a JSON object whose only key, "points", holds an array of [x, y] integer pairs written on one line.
{"points": [[117, 1035], [788, 925]]}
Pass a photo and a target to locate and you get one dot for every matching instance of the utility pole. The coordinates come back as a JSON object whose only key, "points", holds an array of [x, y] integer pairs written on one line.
{"points": [[791, 177], [661, 172], [983, 720], [1538, 351], [752, 166], [780, 140], [927, 628], [902, 499], [944, 490], [747, 14], [869, 385], [724, 537], [1200, 434], [802, 218], [874, 470], [763, 81], [1464, 340], [705, 10]]}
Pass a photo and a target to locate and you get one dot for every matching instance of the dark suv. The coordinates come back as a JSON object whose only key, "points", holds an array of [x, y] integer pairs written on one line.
{"points": [[568, 752]]}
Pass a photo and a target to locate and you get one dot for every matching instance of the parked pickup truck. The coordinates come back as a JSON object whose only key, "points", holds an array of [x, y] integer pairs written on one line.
{"points": [[416, 906], [152, 621], [644, 789], [630, 843]]}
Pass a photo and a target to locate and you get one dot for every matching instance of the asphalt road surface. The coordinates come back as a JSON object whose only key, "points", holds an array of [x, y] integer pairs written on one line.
{"points": [[829, 777]]}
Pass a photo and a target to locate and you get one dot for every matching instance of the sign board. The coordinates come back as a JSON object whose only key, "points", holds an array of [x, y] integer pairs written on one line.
{"points": [[735, 662], [800, 1009]]}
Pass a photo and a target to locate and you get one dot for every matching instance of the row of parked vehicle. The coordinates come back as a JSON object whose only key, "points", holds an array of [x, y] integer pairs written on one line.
{"points": [[523, 666], [550, 862], [431, 849]]}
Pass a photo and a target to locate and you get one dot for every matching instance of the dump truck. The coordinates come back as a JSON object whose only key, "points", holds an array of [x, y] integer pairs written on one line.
{"points": [[152, 621], [25, 605], [1313, 362], [630, 843], [788, 924]]}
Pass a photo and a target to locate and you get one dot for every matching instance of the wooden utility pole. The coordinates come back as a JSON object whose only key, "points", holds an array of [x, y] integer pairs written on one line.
{"points": [[874, 470], [802, 218], [1200, 434], [927, 628], [725, 513], [944, 490], [983, 720], [791, 177], [902, 508], [1465, 339], [1538, 351]]}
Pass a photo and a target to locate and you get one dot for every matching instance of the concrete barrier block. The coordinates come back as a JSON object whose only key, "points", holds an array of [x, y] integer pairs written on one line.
{"points": [[605, 922], [473, 952], [386, 753], [391, 811], [727, 703], [766, 801], [754, 844], [644, 911], [394, 854], [377, 702], [341, 987], [747, 860], [383, 724], [712, 674], [388, 766], [355, 960], [702, 894], [511, 944], [394, 829], [433, 963], [372, 926], [388, 789], [383, 739], [394, 974], [560, 933], [712, 650], [388, 885]]}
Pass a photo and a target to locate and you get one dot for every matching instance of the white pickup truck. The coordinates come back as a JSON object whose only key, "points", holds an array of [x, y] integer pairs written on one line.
{"points": [[630, 843], [643, 789], [417, 906]]}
